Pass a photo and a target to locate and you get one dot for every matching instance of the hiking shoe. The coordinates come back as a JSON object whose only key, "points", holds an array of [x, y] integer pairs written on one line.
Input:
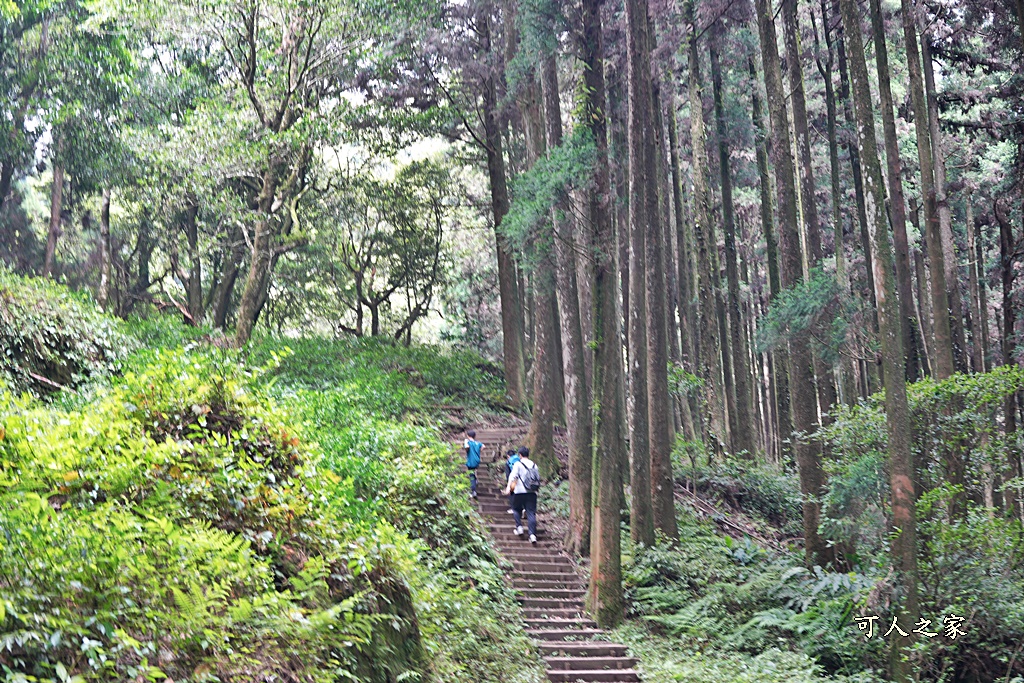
{"points": [[472, 494], [518, 531], [511, 511], [533, 539]]}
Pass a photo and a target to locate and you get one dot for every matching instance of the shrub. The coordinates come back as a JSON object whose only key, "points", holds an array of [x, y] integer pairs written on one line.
{"points": [[52, 338]]}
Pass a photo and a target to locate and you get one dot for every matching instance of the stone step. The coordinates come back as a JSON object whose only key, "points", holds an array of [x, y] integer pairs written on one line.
{"points": [[505, 530], [569, 613], [592, 648], [516, 543], [561, 593], [590, 663], [555, 603], [519, 582], [543, 576], [599, 676], [574, 634], [531, 553], [543, 567], [560, 623]]}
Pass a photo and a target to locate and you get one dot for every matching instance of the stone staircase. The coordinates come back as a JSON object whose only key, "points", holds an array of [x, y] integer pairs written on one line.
{"points": [[547, 586]]}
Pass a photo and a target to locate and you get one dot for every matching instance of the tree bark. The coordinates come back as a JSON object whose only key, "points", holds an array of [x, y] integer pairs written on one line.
{"points": [[641, 517], [942, 345], [56, 195], [901, 463], [683, 265], [545, 356], [577, 393], [808, 193], [743, 437], [103, 295], [659, 409], [780, 357], [259, 261], [194, 281], [710, 365], [604, 593], [897, 204], [235, 251], [847, 388], [801, 371], [513, 356], [869, 368], [1007, 244], [979, 256], [924, 306], [942, 208], [973, 277]]}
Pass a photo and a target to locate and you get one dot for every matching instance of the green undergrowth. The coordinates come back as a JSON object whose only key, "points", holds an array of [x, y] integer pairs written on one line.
{"points": [[765, 492], [212, 516], [664, 661], [390, 380], [713, 608], [52, 338]]}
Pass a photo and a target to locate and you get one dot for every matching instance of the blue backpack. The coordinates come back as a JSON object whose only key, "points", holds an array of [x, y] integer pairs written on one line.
{"points": [[473, 454]]}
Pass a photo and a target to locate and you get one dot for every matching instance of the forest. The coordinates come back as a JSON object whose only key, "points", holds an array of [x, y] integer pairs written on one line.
{"points": [[741, 276]]}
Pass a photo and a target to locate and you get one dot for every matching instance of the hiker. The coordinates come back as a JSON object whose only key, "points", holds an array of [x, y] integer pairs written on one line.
{"points": [[524, 482], [511, 458], [473, 449]]}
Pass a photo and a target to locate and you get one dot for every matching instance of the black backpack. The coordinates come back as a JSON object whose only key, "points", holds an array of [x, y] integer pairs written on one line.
{"points": [[531, 482]]}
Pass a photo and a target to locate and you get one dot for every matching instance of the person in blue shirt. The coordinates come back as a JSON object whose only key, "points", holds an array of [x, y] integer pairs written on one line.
{"points": [[511, 458], [473, 450]]}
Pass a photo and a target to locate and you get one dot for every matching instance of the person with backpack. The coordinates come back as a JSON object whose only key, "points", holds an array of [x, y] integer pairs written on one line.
{"points": [[524, 483], [473, 450], [511, 458]]}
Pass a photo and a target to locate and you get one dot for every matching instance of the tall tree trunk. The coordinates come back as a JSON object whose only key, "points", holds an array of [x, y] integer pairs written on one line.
{"points": [[846, 370], [508, 286], [234, 252], [641, 519], [942, 208], [103, 295], [1007, 246], [6, 177], [659, 409], [801, 371], [897, 204], [869, 369], [942, 345], [780, 357], [194, 281], [604, 594], [577, 393], [710, 368], [743, 437], [259, 261], [808, 192], [924, 306], [56, 194], [545, 356], [979, 256], [901, 463], [683, 266], [973, 277]]}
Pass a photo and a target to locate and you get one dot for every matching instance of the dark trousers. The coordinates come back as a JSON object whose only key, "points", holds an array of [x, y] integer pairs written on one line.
{"points": [[528, 502], [472, 481]]}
